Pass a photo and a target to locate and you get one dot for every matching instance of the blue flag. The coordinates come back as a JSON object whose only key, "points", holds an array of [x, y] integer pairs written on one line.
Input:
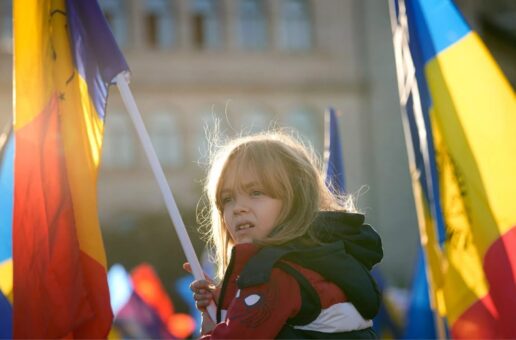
{"points": [[6, 207], [6, 317], [334, 164], [419, 320], [335, 180]]}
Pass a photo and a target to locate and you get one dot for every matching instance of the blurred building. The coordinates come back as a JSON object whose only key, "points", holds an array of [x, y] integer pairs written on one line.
{"points": [[253, 64]]}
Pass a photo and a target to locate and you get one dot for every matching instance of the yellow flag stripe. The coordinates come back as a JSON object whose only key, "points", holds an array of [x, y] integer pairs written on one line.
{"points": [[6, 279], [474, 124], [476, 112], [32, 69]]}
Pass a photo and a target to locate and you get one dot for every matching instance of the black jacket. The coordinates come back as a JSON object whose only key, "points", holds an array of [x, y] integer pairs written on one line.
{"points": [[350, 250]]}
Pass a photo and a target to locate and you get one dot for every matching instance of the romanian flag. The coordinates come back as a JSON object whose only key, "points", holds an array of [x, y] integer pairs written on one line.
{"points": [[65, 58], [470, 116]]}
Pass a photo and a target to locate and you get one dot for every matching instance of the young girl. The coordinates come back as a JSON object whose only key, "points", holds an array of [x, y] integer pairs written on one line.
{"points": [[294, 258]]}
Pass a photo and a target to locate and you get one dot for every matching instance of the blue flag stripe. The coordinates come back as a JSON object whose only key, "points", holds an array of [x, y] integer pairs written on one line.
{"points": [[6, 198], [97, 56]]}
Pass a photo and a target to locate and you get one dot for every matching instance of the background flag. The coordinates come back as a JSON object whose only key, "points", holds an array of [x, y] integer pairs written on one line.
{"points": [[384, 322], [148, 286], [6, 323], [143, 308], [65, 58], [134, 318], [419, 317], [333, 161], [6, 208], [469, 112]]}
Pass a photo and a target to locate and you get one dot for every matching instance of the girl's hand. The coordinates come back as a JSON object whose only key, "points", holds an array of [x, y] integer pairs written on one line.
{"points": [[204, 291]]}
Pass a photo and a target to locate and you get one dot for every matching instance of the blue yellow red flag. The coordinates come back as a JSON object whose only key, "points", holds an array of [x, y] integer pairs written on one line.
{"points": [[470, 119], [65, 58]]}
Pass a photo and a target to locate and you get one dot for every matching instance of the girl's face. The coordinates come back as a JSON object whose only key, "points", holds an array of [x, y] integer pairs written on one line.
{"points": [[249, 212]]}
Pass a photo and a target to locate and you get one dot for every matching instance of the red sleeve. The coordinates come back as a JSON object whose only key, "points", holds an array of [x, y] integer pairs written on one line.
{"points": [[260, 312]]}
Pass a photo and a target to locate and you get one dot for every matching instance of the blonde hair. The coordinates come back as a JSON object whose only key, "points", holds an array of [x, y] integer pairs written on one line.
{"points": [[288, 170]]}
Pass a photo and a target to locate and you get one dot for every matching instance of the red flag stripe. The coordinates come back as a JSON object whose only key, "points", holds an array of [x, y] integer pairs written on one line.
{"points": [[493, 316]]}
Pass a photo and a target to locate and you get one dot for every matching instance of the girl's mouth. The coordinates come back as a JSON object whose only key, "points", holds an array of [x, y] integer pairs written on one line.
{"points": [[244, 226]]}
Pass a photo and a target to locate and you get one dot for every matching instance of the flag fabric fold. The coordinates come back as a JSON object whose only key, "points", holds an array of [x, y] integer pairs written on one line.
{"points": [[64, 61], [469, 118]]}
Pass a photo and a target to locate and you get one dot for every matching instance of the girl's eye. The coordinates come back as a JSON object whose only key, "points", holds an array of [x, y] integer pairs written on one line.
{"points": [[226, 200], [256, 193]]}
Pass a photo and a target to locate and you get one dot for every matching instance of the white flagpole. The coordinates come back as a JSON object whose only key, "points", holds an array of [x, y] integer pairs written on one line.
{"points": [[128, 99]]}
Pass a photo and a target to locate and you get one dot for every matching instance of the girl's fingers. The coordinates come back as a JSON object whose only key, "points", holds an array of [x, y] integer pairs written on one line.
{"points": [[188, 268], [202, 296], [204, 291], [201, 285], [202, 303], [202, 299]]}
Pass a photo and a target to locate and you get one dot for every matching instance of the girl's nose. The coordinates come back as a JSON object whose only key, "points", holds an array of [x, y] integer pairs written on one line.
{"points": [[240, 206]]}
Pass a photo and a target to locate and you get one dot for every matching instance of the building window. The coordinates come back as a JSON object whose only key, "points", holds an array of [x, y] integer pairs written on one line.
{"points": [[206, 24], [116, 16], [252, 29], [159, 23], [295, 25], [118, 146], [6, 26], [166, 137], [309, 124]]}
